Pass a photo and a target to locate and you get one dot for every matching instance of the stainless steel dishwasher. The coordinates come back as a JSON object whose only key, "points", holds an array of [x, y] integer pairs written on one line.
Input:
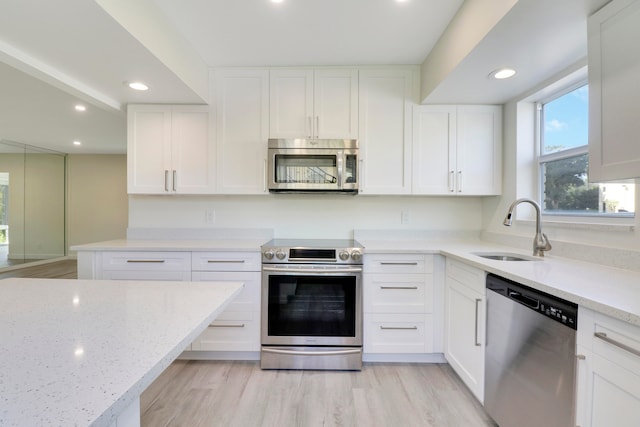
{"points": [[530, 357]]}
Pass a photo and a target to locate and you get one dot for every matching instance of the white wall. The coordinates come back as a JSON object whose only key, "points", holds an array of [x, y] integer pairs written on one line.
{"points": [[97, 206], [307, 216]]}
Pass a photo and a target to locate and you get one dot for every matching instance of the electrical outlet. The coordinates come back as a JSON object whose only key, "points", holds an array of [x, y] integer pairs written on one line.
{"points": [[209, 216], [404, 217]]}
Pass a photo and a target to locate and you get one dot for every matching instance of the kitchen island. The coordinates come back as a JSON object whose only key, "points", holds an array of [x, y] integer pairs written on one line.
{"points": [[80, 352]]}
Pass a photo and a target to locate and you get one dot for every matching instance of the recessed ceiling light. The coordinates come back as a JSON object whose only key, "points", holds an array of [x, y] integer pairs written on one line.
{"points": [[77, 143], [402, 1], [503, 73], [277, 1], [80, 107], [138, 86]]}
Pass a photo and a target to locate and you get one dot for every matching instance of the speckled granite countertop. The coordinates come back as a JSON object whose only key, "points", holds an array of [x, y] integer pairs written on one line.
{"points": [[78, 352], [608, 290]]}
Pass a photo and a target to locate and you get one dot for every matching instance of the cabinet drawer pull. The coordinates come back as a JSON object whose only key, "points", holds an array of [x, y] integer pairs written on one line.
{"points": [[581, 357], [618, 344], [398, 263], [399, 287], [237, 325], [399, 327], [166, 180], [476, 327], [226, 261], [174, 180], [153, 261]]}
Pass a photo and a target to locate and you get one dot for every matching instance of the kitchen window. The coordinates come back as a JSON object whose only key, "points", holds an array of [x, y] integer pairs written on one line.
{"points": [[564, 162]]}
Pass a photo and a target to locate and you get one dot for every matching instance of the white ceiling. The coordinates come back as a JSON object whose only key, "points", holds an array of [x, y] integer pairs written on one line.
{"points": [[54, 53]]}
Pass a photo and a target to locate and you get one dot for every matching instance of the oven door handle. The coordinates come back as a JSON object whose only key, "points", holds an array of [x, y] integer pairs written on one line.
{"points": [[313, 353], [313, 270]]}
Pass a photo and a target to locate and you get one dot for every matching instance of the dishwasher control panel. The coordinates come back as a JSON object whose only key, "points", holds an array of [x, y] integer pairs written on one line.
{"points": [[555, 308]]}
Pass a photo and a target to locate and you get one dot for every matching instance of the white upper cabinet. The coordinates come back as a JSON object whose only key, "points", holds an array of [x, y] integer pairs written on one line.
{"points": [[242, 99], [614, 67], [457, 150], [170, 150], [386, 99], [307, 103]]}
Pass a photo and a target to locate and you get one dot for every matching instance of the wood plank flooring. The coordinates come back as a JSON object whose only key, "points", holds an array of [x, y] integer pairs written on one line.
{"points": [[63, 269], [240, 394]]}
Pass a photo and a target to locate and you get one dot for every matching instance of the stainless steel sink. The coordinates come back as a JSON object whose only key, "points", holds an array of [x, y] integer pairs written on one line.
{"points": [[505, 256]]}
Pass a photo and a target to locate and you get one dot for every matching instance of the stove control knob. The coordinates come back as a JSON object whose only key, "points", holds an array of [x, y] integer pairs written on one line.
{"points": [[356, 255], [280, 254], [268, 254], [344, 255]]}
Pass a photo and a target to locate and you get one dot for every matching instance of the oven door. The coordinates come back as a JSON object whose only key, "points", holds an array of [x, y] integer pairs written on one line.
{"points": [[312, 305]]}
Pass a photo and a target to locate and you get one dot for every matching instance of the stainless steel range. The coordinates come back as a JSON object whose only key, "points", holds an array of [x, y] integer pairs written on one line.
{"points": [[311, 304]]}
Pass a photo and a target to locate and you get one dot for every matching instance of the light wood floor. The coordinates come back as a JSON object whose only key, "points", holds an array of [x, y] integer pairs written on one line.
{"points": [[240, 394], [64, 269]]}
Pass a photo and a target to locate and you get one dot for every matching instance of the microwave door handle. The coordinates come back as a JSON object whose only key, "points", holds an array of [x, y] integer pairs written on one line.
{"points": [[340, 161]]}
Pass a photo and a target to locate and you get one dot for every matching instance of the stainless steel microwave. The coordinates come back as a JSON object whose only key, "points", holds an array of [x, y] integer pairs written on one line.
{"points": [[313, 165]]}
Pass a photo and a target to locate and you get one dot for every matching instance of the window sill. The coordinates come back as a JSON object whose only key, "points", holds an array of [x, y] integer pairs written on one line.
{"points": [[591, 226]]}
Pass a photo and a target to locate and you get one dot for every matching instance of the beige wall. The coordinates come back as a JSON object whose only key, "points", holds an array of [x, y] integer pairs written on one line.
{"points": [[97, 198]]}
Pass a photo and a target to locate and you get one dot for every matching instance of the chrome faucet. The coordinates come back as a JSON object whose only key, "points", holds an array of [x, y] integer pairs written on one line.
{"points": [[540, 241]]}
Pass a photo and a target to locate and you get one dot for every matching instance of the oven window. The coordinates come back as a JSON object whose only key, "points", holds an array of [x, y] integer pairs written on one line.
{"points": [[308, 169], [317, 306]]}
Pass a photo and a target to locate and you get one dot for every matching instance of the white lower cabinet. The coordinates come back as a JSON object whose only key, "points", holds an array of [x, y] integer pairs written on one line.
{"points": [[134, 265], [238, 327], [608, 389], [464, 323], [398, 296]]}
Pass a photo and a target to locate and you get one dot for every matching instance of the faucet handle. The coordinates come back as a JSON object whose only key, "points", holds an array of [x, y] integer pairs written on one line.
{"points": [[547, 245]]}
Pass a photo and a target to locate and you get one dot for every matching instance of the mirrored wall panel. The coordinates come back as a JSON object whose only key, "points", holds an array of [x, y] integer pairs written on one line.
{"points": [[32, 204]]}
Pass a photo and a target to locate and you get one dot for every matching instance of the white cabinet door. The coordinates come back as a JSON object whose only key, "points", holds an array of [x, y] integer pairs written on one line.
{"points": [[385, 116], [478, 150], [307, 103], [170, 150], [193, 155], [457, 150], [242, 130], [291, 103], [614, 66], [335, 104], [465, 326], [148, 148], [434, 135]]}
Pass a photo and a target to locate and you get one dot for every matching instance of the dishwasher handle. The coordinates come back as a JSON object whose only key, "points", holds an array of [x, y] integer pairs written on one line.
{"points": [[528, 301]]}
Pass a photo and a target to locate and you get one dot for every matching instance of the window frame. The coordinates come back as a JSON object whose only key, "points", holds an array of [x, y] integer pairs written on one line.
{"points": [[542, 158]]}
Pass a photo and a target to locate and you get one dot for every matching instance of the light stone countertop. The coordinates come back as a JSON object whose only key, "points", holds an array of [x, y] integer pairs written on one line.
{"points": [[78, 352], [195, 245], [612, 291]]}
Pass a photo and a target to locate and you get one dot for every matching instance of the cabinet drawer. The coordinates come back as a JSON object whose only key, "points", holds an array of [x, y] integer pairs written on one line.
{"points": [[398, 333], [469, 276], [146, 261], [169, 276], [398, 293], [231, 331], [619, 342], [226, 261], [249, 297], [398, 263]]}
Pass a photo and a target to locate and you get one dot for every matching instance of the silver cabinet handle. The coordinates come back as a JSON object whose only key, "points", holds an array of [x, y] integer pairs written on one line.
{"points": [[175, 178], [412, 328], [238, 325], [476, 326], [398, 263], [310, 120], [264, 175], [459, 181], [317, 126], [451, 183], [166, 180], [398, 287], [225, 261], [581, 357], [151, 261], [618, 344]]}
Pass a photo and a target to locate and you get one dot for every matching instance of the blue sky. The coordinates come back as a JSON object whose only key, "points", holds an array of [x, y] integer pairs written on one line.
{"points": [[566, 120]]}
